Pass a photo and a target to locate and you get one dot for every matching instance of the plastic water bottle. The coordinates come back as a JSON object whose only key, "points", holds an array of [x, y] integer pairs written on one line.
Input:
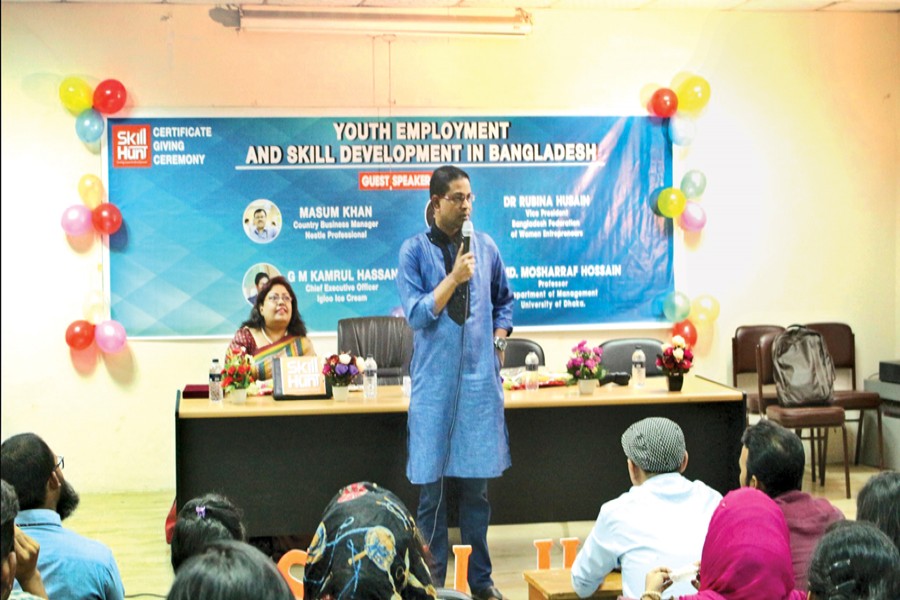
{"points": [[531, 372], [370, 378], [215, 381], [638, 367]]}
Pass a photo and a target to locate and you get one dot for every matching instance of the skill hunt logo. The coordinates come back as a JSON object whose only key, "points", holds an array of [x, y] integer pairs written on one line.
{"points": [[131, 145]]}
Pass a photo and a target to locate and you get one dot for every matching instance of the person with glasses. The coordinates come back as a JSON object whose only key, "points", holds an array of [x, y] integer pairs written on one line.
{"points": [[459, 305], [274, 328], [71, 566]]}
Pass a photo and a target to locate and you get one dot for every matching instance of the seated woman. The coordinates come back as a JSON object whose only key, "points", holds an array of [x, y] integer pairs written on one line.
{"points": [[367, 546], [229, 570], [855, 560], [273, 329], [746, 554], [201, 521]]}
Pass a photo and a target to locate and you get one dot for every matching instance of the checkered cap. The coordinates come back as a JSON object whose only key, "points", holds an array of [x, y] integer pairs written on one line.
{"points": [[655, 444]]}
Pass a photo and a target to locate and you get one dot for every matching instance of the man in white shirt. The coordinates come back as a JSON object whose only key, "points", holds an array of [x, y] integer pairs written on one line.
{"points": [[661, 521]]}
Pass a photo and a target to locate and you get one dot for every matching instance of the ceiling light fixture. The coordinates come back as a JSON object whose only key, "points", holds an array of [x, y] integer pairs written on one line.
{"points": [[380, 22]]}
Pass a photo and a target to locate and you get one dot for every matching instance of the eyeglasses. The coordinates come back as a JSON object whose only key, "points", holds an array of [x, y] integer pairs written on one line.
{"points": [[60, 463], [275, 299], [460, 198]]}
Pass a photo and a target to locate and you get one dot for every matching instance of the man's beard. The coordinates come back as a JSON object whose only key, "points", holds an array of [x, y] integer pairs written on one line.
{"points": [[68, 501]]}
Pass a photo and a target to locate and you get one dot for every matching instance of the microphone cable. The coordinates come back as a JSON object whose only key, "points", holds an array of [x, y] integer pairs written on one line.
{"points": [[453, 413]]}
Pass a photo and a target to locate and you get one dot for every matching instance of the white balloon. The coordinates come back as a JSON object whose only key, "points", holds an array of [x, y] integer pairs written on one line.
{"points": [[682, 130], [95, 308]]}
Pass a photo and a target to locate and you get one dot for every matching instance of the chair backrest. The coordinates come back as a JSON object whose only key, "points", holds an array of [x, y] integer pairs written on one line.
{"points": [[743, 348], [388, 339], [617, 354], [765, 366], [288, 560], [517, 349], [841, 344]]}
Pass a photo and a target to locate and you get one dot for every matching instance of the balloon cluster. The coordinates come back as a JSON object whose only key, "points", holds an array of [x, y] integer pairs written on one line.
{"points": [[688, 314], [681, 106], [104, 217], [109, 335], [89, 105]]}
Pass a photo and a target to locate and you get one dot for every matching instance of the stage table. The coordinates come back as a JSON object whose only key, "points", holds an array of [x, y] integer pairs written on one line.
{"points": [[282, 461]]}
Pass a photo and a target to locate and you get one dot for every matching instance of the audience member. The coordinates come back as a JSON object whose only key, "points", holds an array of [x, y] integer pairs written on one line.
{"points": [[746, 554], [367, 546], [18, 553], [855, 561], [201, 521], [878, 502], [772, 460], [662, 519], [229, 570], [274, 328], [71, 565]]}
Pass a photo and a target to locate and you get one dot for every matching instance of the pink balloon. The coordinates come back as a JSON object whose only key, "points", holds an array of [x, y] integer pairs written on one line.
{"points": [[110, 336], [694, 217], [76, 220]]}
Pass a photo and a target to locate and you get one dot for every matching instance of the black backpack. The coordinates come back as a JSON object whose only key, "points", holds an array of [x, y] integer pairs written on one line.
{"points": [[804, 371]]}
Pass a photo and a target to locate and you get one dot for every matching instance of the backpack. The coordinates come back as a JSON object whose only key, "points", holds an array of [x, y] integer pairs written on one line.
{"points": [[804, 371]]}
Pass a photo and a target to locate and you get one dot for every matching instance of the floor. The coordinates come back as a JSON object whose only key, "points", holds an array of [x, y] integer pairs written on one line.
{"points": [[132, 525]]}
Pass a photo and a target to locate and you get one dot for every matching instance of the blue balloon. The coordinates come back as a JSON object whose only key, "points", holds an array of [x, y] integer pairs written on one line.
{"points": [[89, 126]]}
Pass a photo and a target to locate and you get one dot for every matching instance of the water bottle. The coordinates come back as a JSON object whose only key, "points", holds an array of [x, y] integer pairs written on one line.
{"points": [[370, 378], [638, 367], [215, 381], [531, 372]]}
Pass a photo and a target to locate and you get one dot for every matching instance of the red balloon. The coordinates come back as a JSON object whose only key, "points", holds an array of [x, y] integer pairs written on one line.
{"points": [[106, 218], [686, 330], [664, 103], [79, 334], [109, 96]]}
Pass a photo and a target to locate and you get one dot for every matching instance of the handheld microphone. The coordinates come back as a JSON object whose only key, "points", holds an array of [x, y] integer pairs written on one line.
{"points": [[467, 232]]}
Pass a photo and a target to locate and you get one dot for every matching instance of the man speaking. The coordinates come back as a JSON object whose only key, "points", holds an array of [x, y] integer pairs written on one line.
{"points": [[457, 300]]}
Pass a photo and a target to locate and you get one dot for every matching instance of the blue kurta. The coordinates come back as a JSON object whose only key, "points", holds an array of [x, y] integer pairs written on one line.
{"points": [[456, 423]]}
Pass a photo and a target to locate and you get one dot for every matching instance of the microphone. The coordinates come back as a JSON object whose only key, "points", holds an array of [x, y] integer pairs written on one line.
{"points": [[467, 232]]}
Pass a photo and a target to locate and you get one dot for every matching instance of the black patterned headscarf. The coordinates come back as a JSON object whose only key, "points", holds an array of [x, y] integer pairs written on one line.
{"points": [[367, 547]]}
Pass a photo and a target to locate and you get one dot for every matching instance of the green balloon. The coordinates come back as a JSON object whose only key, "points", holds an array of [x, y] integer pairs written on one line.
{"points": [[676, 307]]}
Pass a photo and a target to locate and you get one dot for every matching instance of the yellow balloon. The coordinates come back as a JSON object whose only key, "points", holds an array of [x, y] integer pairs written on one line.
{"points": [[693, 94], [90, 188], [76, 95], [704, 308], [95, 307], [671, 202]]}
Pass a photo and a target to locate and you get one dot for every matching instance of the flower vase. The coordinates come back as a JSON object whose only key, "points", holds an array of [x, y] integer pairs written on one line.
{"points": [[586, 387], [675, 381], [340, 392], [237, 396]]}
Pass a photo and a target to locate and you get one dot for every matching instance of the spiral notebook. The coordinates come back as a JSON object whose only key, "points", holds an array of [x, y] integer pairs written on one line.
{"points": [[299, 378]]}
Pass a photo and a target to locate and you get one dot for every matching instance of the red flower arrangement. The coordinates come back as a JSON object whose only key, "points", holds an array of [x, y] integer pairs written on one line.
{"points": [[238, 371], [676, 358]]}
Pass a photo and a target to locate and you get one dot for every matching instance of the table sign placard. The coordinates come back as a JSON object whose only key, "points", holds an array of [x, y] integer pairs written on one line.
{"points": [[299, 378]]}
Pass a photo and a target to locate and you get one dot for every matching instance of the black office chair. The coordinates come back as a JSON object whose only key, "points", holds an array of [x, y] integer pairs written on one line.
{"points": [[617, 355], [388, 339], [517, 349]]}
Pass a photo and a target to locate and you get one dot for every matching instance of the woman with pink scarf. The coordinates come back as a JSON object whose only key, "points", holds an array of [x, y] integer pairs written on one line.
{"points": [[746, 555]]}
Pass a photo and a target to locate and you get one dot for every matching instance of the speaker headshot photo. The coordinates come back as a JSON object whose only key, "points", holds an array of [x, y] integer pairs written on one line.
{"points": [[262, 221]]}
